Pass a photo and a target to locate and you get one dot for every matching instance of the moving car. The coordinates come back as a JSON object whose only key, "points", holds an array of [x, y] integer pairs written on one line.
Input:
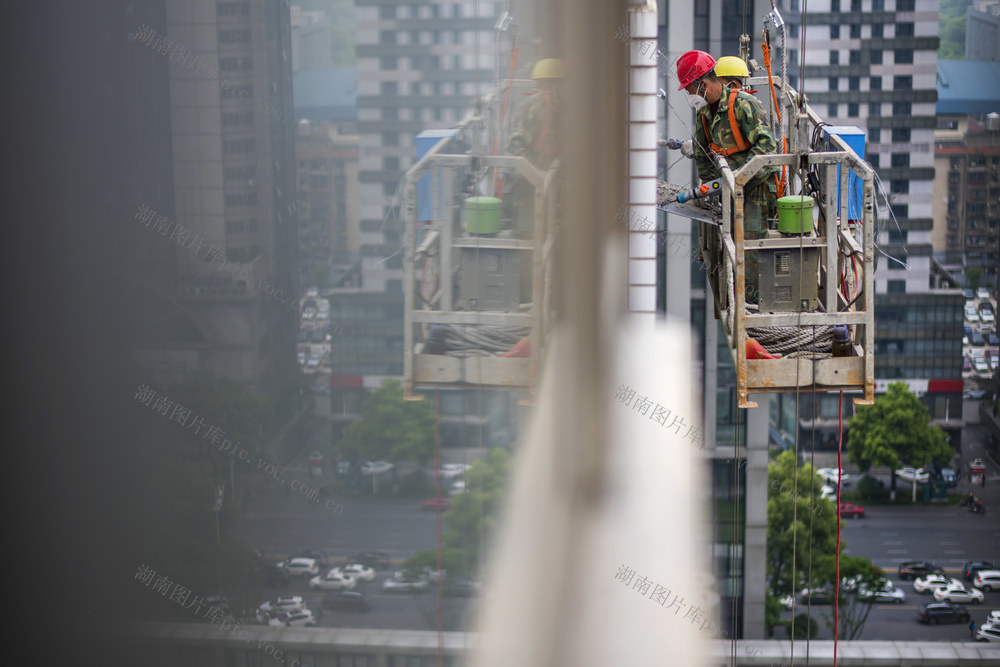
{"points": [[958, 594], [332, 581], [347, 601], [909, 474], [377, 560], [927, 585], [917, 568], [987, 580], [942, 612], [401, 582], [972, 567], [302, 567], [355, 571], [293, 618], [321, 557], [887, 593], [849, 509]]}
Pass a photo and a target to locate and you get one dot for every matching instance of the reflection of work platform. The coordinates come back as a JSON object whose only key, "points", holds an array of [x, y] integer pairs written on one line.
{"points": [[816, 271], [474, 286]]}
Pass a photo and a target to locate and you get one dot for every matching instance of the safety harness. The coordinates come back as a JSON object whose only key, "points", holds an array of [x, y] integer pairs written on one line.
{"points": [[741, 142]]}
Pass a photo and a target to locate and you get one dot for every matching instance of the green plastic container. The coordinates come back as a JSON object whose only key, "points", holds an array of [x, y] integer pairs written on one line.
{"points": [[795, 215], [482, 215]]}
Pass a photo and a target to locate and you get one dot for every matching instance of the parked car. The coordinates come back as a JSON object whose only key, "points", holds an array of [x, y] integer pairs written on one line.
{"points": [[909, 474], [966, 364], [887, 593], [971, 315], [980, 365], [917, 568], [830, 475], [293, 618], [992, 339], [982, 292], [355, 571], [942, 612], [318, 335], [968, 294], [927, 585], [988, 634], [347, 601], [377, 560], [976, 338], [286, 603], [972, 568], [302, 567], [303, 336], [332, 581], [987, 580], [309, 313], [849, 510], [958, 594]]}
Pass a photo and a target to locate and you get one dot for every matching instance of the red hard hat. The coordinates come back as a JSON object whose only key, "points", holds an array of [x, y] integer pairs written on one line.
{"points": [[692, 65]]}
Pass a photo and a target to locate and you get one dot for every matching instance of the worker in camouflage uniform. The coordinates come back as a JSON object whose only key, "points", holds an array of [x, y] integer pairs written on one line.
{"points": [[731, 123], [537, 136]]}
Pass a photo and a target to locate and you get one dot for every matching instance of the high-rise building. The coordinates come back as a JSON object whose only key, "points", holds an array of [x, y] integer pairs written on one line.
{"points": [[982, 30], [223, 70]]}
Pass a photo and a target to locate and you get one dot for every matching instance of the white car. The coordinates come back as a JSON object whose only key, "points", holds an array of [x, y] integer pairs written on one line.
{"points": [[376, 467], [988, 634], [972, 316], [830, 476], [958, 594], [888, 593], [310, 313], [909, 474], [982, 292], [927, 585], [355, 571], [980, 364], [293, 618], [287, 603], [988, 580], [405, 584], [302, 567], [323, 310], [987, 316], [333, 581], [994, 616], [828, 492], [449, 470]]}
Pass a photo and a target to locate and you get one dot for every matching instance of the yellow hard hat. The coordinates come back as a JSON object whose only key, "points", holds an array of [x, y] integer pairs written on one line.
{"points": [[547, 68], [731, 66]]}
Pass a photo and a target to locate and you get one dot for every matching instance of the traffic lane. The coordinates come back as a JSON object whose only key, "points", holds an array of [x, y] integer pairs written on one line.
{"points": [[947, 536]]}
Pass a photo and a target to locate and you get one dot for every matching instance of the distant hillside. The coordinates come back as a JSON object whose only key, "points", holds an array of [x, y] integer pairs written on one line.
{"points": [[952, 29]]}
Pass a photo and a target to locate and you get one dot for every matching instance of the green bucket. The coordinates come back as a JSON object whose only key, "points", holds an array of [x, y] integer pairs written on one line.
{"points": [[482, 215], [795, 214]]}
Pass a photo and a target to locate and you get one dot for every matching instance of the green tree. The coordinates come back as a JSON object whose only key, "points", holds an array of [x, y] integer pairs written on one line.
{"points": [[796, 515], [895, 430], [392, 429], [951, 29], [974, 276]]}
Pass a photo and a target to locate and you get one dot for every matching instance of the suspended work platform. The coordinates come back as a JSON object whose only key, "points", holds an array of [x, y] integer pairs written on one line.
{"points": [[813, 281]]}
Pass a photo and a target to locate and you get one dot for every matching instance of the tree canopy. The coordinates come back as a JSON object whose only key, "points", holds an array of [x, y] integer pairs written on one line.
{"points": [[895, 430], [391, 429]]}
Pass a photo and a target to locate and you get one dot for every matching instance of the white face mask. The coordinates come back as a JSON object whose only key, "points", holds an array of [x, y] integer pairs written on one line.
{"points": [[696, 101]]}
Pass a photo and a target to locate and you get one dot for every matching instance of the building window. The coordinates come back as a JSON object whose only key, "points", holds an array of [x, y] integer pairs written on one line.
{"points": [[875, 135], [833, 83], [387, 63], [855, 6], [388, 189], [855, 31], [390, 163], [897, 237], [852, 110], [901, 211], [904, 30], [874, 110], [386, 36], [834, 57], [902, 82], [904, 5], [853, 83], [389, 88], [901, 135], [900, 109], [233, 9], [241, 173], [904, 56], [854, 58], [390, 139], [239, 146], [900, 159], [240, 118], [896, 286], [900, 186], [877, 29], [387, 11], [231, 92], [876, 56], [242, 64], [233, 36], [831, 110], [873, 160], [835, 6], [835, 32], [875, 83]]}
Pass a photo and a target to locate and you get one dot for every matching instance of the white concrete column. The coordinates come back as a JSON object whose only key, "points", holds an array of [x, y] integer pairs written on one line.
{"points": [[755, 540]]}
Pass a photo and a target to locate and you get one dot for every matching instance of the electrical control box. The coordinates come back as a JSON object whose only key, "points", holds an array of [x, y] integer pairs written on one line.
{"points": [[789, 273], [489, 279]]}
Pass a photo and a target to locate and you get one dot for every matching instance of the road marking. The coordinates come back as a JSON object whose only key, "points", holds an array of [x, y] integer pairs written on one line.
{"points": [[896, 551]]}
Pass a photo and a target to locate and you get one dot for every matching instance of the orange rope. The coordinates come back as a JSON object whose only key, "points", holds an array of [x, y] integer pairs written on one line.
{"points": [[777, 109], [498, 183]]}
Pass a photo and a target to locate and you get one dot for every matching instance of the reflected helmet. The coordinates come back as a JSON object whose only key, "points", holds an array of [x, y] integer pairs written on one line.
{"points": [[691, 66], [548, 68], [731, 66]]}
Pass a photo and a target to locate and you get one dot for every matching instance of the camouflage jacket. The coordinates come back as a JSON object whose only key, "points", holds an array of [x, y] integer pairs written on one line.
{"points": [[536, 134], [750, 118]]}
